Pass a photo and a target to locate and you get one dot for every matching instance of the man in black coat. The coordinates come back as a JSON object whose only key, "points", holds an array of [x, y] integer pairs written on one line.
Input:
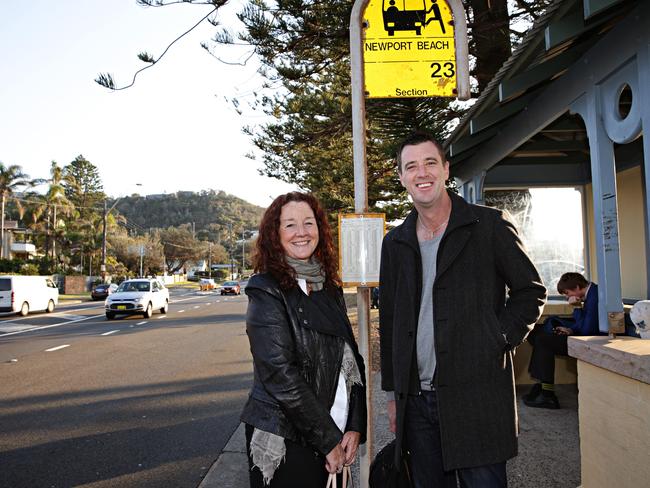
{"points": [[448, 327]]}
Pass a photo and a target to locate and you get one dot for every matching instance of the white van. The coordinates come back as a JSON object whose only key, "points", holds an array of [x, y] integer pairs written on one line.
{"points": [[24, 294]]}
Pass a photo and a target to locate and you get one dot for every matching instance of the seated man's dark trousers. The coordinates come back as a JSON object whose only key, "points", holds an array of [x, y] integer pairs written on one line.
{"points": [[545, 347]]}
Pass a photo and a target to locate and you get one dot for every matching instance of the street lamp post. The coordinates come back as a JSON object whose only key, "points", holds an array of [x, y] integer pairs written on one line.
{"points": [[102, 267], [141, 258], [104, 224], [230, 251], [243, 248], [210, 259]]}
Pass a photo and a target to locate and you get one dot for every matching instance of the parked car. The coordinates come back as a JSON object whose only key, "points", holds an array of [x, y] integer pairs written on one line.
{"points": [[101, 292], [24, 294], [230, 288], [138, 296], [207, 284]]}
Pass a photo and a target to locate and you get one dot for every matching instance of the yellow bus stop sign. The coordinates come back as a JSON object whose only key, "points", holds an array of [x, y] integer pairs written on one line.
{"points": [[409, 49]]}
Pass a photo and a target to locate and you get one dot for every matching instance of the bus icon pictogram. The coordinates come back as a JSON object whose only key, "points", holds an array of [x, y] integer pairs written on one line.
{"points": [[410, 15]]}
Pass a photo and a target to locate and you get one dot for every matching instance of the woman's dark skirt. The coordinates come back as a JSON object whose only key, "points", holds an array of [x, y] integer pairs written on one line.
{"points": [[303, 467]]}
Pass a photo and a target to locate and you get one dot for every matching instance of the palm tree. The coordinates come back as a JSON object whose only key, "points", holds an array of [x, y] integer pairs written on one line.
{"points": [[11, 179], [31, 211], [56, 199]]}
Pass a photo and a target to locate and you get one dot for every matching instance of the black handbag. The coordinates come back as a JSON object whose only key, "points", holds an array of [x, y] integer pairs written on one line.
{"points": [[384, 474]]}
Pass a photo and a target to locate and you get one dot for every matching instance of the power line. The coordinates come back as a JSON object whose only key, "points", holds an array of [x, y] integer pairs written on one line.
{"points": [[133, 226], [41, 202]]}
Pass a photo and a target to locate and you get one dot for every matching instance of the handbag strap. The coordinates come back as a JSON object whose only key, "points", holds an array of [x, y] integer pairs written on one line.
{"points": [[331, 481], [347, 479]]}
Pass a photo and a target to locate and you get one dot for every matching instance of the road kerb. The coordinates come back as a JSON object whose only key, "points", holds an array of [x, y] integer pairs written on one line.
{"points": [[230, 470]]}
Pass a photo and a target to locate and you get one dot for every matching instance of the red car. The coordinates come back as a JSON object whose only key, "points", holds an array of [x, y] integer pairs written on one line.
{"points": [[231, 288]]}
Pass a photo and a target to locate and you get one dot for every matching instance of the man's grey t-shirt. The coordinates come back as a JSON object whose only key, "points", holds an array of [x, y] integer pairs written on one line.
{"points": [[426, 353]]}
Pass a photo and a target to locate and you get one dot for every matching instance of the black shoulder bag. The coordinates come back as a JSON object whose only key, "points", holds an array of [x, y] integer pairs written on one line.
{"points": [[384, 474]]}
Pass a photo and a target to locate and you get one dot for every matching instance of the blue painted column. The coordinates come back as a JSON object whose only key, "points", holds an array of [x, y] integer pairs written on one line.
{"points": [[603, 175], [472, 190], [643, 60]]}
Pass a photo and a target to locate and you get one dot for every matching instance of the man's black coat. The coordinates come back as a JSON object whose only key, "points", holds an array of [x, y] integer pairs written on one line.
{"points": [[476, 324]]}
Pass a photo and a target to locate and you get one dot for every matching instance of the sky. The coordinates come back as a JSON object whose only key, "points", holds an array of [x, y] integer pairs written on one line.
{"points": [[174, 130], [557, 213]]}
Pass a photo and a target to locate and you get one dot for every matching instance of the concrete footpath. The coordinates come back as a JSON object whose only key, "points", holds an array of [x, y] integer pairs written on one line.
{"points": [[549, 449]]}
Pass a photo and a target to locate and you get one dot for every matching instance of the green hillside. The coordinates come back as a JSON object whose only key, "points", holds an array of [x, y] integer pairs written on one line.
{"points": [[212, 215]]}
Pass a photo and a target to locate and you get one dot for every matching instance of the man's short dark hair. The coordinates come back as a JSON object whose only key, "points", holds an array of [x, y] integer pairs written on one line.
{"points": [[413, 139], [569, 281]]}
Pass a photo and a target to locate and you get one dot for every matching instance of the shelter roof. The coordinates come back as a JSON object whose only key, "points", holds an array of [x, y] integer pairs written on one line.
{"points": [[556, 42]]}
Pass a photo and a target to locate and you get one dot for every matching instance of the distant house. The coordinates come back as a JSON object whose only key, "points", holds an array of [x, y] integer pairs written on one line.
{"points": [[15, 245], [195, 267]]}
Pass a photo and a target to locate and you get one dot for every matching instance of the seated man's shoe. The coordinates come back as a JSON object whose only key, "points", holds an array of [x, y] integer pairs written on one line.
{"points": [[543, 400], [534, 391]]}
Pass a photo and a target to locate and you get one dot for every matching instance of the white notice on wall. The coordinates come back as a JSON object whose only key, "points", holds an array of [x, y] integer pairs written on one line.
{"points": [[360, 237]]}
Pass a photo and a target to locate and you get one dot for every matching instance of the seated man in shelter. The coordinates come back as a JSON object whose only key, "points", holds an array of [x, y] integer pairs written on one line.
{"points": [[550, 338], [375, 297]]}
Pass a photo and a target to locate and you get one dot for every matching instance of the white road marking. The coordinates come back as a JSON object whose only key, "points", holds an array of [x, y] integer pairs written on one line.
{"points": [[197, 306], [186, 299], [181, 311], [57, 348], [11, 327], [14, 329], [67, 316], [50, 326], [73, 321], [209, 303], [64, 315], [141, 323], [110, 332], [161, 317]]}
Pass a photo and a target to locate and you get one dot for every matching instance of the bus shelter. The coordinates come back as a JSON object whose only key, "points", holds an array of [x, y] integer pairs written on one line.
{"points": [[569, 110]]}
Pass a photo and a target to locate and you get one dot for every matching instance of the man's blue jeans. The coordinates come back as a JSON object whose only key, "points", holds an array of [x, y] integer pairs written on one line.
{"points": [[425, 451]]}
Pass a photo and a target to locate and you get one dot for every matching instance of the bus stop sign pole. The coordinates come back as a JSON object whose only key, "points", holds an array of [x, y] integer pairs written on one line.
{"points": [[361, 175], [361, 206]]}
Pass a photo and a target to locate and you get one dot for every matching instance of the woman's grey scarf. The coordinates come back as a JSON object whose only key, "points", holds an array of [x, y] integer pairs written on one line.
{"points": [[309, 270]]}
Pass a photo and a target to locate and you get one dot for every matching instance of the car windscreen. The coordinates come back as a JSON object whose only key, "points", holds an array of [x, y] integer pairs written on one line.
{"points": [[5, 284], [134, 286], [230, 283]]}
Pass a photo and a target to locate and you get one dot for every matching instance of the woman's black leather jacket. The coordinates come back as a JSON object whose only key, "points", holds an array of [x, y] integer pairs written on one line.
{"points": [[297, 352]]}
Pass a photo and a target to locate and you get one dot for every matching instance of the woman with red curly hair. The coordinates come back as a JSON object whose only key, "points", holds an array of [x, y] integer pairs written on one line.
{"points": [[306, 413]]}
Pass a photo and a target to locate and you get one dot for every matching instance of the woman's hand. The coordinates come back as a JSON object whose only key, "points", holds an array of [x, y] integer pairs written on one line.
{"points": [[335, 460], [350, 444]]}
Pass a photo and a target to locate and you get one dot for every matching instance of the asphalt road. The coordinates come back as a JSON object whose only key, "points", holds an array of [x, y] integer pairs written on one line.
{"points": [[122, 403]]}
